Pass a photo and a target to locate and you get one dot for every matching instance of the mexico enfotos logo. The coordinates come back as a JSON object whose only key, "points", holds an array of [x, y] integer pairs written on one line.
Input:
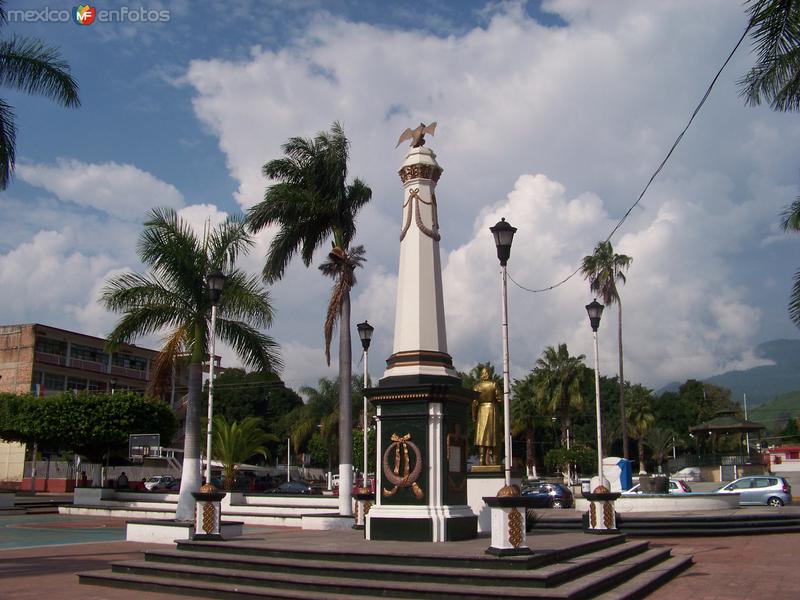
{"points": [[86, 14]]}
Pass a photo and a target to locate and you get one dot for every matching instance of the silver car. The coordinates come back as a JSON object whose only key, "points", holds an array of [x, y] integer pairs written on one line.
{"points": [[760, 489]]}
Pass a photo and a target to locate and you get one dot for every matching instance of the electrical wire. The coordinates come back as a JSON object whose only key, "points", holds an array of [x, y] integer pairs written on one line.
{"points": [[657, 171]]}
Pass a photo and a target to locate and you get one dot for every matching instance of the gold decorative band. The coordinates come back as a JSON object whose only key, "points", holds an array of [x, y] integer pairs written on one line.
{"points": [[418, 171]]}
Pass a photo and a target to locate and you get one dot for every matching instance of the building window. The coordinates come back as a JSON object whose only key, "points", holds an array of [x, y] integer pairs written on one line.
{"points": [[53, 383], [49, 346], [121, 359], [75, 383], [97, 386], [89, 354]]}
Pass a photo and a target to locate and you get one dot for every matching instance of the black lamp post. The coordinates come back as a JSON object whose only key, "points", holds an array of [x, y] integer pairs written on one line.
{"points": [[595, 311], [503, 234], [216, 281], [365, 334]]}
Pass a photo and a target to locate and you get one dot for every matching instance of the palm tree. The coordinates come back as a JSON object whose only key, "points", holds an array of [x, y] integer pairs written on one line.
{"points": [[603, 268], [237, 442], [774, 28], [790, 221], [660, 442], [640, 417], [311, 202], [174, 297], [28, 65], [524, 412], [557, 380]]}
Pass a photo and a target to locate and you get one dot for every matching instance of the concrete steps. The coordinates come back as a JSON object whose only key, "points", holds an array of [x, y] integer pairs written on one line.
{"points": [[743, 521], [591, 567]]}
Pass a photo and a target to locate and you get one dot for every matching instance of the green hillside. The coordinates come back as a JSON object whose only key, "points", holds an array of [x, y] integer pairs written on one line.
{"points": [[761, 384], [775, 412]]}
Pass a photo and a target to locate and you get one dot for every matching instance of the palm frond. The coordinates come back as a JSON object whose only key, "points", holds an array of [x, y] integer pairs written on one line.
{"points": [[257, 350], [244, 299], [143, 321], [794, 300], [32, 67], [775, 29], [8, 144], [227, 242], [161, 368], [790, 217]]}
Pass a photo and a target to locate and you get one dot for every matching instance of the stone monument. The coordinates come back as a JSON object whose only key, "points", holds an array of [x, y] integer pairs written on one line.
{"points": [[422, 408]]}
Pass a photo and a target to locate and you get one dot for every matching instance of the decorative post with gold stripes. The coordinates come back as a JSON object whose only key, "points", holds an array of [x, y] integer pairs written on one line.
{"points": [[422, 408]]}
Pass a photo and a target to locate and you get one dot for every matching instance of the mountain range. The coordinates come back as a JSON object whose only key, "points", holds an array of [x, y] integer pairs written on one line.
{"points": [[761, 384]]}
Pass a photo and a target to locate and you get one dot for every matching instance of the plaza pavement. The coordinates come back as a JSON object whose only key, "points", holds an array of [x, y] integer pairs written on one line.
{"points": [[729, 568]]}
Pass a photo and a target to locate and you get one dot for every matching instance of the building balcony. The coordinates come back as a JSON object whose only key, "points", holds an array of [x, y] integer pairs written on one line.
{"points": [[51, 359], [88, 365], [126, 372]]}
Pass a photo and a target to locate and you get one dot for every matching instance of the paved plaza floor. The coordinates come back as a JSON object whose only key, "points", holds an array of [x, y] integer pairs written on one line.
{"points": [[40, 554]]}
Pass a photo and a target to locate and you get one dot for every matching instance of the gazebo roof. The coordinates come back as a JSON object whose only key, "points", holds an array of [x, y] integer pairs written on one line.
{"points": [[725, 421]]}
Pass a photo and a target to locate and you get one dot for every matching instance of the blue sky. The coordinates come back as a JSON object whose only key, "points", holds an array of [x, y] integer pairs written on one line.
{"points": [[552, 115]]}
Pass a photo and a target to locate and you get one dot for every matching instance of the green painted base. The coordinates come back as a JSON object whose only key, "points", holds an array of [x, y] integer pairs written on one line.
{"points": [[421, 530]]}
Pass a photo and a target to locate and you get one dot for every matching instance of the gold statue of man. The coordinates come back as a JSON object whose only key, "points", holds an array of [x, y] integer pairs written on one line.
{"points": [[484, 414]]}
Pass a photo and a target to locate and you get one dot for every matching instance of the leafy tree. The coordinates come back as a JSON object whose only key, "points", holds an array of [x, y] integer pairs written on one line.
{"points": [[358, 449], [174, 296], [88, 424], [791, 433], [640, 417], [30, 66], [311, 202], [527, 416], [559, 459], [236, 442], [557, 378], [604, 269]]}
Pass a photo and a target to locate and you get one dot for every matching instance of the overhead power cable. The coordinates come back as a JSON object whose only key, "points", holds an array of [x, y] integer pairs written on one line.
{"points": [[656, 172]]}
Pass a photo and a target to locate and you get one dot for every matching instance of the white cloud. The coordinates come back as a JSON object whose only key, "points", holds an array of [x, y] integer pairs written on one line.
{"points": [[123, 191]]}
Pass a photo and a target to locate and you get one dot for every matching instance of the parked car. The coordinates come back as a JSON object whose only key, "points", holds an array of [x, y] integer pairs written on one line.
{"points": [[675, 486], [158, 483], [295, 487], [549, 495], [760, 489]]}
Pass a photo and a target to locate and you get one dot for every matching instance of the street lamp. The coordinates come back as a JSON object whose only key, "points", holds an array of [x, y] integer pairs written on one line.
{"points": [[503, 234], [365, 333], [595, 310], [216, 281]]}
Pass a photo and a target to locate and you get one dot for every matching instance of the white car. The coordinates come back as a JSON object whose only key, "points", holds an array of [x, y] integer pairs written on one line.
{"points": [[159, 482], [676, 486]]}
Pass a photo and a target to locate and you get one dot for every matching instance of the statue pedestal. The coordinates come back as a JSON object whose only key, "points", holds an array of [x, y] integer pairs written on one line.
{"points": [[486, 481], [508, 525], [421, 492]]}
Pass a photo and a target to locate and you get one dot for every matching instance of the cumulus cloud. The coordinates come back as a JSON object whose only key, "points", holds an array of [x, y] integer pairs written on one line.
{"points": [[121, 190]]}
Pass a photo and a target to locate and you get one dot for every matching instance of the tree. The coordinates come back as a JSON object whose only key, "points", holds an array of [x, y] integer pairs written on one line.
{"points": [[604, 269], [775, 79], [791, 433], [237, 442], [640, 417], [30, 66], [311, 202], [660, 442], [524, 412], [557, 378], [87, 424], [174, 297]]}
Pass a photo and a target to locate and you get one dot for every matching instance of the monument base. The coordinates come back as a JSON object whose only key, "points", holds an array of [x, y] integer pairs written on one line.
{"points": [[485, 483], [421, 524]]}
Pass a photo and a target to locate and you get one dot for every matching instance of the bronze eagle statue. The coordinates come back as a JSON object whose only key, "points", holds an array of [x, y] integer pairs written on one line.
{"points": [[417, 136]]}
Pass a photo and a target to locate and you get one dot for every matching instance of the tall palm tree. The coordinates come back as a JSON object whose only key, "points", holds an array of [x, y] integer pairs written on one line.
{"points": [[640, 417], [604, 269], [237, 442], [310, 202], [660, 442], [557, 380], [526, 414], [28, 65], [173, 297]]}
